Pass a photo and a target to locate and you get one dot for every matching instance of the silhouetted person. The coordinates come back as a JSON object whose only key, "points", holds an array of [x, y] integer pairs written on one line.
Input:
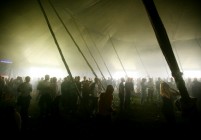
{"points": [[15, 85], [168, 95], [85, 95], [150, 90], [69, 95], [143, 90], [2, 86], [121, 94], [129, 89], [24, 98], [10, 118], [95, 90], [105, 109], [54, 88], [157, 85], [45, 98], [196, 92]]}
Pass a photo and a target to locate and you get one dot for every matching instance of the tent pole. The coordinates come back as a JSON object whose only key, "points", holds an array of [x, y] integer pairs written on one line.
{"points": [[141, 61], [118, 56], [86, 45], [100, 54], [101, 57], [177, 55], [73, 39], [58, 47], [187, 104], [75, 43]]}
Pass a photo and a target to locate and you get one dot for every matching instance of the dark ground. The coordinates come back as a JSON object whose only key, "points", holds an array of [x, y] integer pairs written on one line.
{"points": [[140, 121]]}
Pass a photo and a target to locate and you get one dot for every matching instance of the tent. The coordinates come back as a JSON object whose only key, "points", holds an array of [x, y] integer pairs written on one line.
{"points": [[115, 34]]}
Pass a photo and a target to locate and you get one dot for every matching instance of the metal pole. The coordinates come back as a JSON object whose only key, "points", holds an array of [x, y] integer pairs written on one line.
{"points": [[58, 47], [187, 103], [118, 56]]}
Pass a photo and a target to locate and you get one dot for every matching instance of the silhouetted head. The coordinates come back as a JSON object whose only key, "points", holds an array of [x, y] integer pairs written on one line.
{"points": [[122, 79], [27, 79], [96, 80], [47, 77], [109, 89], [144, 79]]}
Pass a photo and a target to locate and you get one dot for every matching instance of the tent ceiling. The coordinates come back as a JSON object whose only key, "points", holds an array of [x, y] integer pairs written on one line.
{"points": [[26, 39]]}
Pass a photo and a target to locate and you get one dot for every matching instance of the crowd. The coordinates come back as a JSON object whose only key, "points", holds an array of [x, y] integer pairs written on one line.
{"points": [[97, 98]]}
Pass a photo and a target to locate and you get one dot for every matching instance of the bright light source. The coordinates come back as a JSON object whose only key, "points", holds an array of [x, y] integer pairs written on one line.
{"points": [[6, 61], [120, 74], [42, 71], [192, 73]]}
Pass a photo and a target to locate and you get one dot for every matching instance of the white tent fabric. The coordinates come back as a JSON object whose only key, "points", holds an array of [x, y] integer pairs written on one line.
{"points": [[99, 26]]}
